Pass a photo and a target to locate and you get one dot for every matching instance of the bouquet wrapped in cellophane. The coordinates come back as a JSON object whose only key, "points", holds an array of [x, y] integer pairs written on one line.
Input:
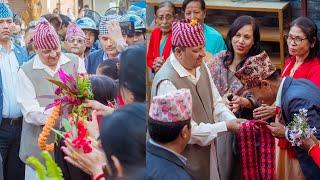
{"points": [[73, 90]]}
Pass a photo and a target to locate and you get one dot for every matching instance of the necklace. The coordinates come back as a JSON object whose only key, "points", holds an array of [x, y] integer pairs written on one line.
{"points": [[294, 68]]}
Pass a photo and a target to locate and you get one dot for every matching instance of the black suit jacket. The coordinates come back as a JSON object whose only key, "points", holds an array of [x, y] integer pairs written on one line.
{"points": [[164, 165]]}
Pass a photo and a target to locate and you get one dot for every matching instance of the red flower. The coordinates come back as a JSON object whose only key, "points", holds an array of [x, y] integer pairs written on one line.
{"points": [[68, 134], [80, 141], [86, 147]]}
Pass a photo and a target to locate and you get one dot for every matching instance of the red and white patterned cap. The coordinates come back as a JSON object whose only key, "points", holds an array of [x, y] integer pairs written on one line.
{"points": [[172, 107], [255, 69], [187, 34], [45, 37], [74, 30]]}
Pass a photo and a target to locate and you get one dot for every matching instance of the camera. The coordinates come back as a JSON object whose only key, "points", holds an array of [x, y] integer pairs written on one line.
{"points": [[127, 27]]}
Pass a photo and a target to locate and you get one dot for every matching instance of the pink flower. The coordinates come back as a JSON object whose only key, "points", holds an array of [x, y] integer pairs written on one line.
{"points": [[58, 91], [165, 109], [65, 77], [182, 107]]}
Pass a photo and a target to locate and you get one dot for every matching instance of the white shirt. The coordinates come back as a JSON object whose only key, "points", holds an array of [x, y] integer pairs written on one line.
{"points": [[32, 111], [9, 67], [203, 133], [279, 94]]}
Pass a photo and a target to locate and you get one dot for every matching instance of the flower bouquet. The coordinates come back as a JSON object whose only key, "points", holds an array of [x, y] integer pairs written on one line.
{"points": [[73, 90], [299, 129]]}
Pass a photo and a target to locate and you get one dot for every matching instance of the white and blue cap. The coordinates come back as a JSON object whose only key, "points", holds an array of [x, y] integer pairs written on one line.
{"points": [[5, 11], [103, 30], [139, 25], [86, 23]]}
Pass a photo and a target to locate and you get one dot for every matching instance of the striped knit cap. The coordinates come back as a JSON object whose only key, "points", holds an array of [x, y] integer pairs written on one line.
{"points": [[5, 11], [187, 34], [45, 36]]}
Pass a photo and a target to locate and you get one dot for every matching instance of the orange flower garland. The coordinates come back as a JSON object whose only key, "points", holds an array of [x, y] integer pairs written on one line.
{"points": [[51, 121]]}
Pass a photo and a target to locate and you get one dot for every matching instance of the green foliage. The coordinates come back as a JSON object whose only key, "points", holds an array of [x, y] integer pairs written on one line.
{"points": [[51, 172], [84, 88]]}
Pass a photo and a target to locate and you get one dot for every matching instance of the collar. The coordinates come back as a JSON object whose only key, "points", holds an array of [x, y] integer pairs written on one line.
{"points": [[105, 56], [182, 158], [181, 70], [37, 64], [279, 93]]}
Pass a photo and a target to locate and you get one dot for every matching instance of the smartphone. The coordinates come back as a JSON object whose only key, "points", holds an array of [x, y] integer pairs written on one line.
{"points": [[127, 27]]}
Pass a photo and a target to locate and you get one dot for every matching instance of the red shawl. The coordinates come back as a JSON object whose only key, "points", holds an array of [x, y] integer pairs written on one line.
{"points": [[154, 45], [257, 151]]}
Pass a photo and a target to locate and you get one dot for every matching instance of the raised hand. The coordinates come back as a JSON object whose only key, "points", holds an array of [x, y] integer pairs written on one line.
{"points": [[264, 112]]}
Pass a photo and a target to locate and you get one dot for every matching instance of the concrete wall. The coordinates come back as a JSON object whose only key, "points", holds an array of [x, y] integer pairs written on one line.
{"points": [[313, 10], [17, 6], [102, 5]]}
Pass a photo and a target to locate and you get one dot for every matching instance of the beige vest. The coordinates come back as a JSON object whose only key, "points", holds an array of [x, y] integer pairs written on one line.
{"points": [[202, 111], [30, 133]]}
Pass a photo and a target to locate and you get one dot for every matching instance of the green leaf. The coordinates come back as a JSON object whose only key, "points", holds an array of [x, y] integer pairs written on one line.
{"points": [[53, 170], [39, 168], [75, 131], [66, 124], [60, 133]]}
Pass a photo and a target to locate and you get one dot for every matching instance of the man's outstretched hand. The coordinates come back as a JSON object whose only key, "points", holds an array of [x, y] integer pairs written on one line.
{"points": [[234, 125]]}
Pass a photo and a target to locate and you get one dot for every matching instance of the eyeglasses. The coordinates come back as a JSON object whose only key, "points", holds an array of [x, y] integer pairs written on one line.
{"points": [[297, 40], [78, 41], [167, 17]]}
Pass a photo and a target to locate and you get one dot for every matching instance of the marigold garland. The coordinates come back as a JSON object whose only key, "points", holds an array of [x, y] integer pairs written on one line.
{"points": [[51, 121], [73, 90]]}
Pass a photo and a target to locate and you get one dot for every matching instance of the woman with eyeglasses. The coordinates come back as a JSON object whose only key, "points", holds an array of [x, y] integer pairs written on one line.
{"points": [[303, 46], [160, 40], [303, 62]]}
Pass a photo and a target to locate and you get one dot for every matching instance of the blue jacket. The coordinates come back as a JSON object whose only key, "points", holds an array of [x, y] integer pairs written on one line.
{"points": [[94, 59], [164, 165], [297, 94], [22, 56]]}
